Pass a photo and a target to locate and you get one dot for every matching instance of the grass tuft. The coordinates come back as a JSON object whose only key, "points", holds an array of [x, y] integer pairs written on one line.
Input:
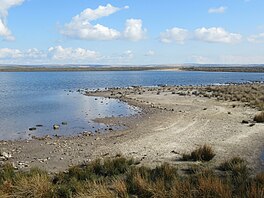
{"points": [[203, 153]]}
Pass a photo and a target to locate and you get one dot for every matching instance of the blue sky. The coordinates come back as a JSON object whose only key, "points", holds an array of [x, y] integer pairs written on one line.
{"points": [[131, 31]]}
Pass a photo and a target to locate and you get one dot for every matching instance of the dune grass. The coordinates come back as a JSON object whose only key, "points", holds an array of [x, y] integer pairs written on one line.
{"points": [[121, 177]]}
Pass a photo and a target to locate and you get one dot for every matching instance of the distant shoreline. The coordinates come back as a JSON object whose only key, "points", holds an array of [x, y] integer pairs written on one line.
{"points": [[225, 69], [78, 69], [259, 69]]}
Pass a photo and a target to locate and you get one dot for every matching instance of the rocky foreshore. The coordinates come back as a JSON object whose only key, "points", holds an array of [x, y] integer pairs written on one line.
{"points": [[173, 120]]}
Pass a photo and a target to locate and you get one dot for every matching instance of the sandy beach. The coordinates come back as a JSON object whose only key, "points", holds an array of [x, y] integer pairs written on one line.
{"points": [[169, 125]]}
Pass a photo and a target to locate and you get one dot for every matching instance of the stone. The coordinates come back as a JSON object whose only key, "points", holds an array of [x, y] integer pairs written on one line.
{"points": [[245, 122], [5, 155], [56, 126], [32, 129], [64, 123]]}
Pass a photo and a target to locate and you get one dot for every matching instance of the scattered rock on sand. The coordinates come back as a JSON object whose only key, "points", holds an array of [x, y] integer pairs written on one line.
{"points": [[245, 122], [32, 128], [5, 155], [56, 126]]}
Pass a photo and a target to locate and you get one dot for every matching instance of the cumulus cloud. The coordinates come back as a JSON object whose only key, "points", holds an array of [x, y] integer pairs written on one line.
{"points": [[258, 38], [80, 26], [218, 10], [134, 30], [5, 5], [7, 53], [175, 34], [60, 53], [216, 35], [57, 54]]}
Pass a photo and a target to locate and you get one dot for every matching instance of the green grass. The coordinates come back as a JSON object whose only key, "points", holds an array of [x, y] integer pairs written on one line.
{"points": [[121, 177]]}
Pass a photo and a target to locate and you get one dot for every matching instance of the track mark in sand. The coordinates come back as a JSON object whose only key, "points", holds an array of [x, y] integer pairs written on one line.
{"points": [[178, 129]]}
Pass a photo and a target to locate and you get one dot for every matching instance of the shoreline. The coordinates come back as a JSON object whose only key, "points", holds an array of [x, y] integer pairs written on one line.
{"points": [[169, 125], [179, 68]]}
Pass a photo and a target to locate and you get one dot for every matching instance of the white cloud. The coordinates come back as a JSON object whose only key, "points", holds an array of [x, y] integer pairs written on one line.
{"points": [[78, 54], [134, 30], [128, 54], [56, 54], [80, 26], [150, 53], [218, 10], [175, 34], [216, 35], [259, 38], [7, 53], [5, 5]]}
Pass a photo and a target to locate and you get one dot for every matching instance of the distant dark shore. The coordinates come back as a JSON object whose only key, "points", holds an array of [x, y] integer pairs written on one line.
{"points": [[257, 69], [77, 69]]}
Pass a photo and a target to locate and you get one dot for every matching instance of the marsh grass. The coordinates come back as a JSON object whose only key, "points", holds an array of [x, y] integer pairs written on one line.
{"points": [[120, 177]]}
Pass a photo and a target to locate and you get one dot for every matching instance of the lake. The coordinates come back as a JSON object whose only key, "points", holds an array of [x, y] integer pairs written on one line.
{"points": [[28, 99]]}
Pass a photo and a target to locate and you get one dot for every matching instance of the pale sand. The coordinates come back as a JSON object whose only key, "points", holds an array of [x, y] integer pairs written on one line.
{"points": [[157, 135]]}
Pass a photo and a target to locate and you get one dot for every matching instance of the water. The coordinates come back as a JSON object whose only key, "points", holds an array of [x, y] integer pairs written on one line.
{"points": [[28, 99]]}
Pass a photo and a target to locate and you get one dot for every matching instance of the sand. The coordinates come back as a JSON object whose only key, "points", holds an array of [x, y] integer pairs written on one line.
{"points": [[168, 126]]}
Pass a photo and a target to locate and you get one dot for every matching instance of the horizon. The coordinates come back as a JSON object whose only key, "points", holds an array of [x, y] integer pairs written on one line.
{"points": [[130, 33]]}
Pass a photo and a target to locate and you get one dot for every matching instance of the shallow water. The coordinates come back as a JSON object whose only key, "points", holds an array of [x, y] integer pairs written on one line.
{"points": [[28, 99]]}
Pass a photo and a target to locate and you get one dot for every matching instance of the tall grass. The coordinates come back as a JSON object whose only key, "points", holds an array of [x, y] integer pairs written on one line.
{"points": [[121, 177]]}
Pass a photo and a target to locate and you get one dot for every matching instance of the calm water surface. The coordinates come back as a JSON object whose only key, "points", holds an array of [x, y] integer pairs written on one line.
{"points": [[28, 99]]}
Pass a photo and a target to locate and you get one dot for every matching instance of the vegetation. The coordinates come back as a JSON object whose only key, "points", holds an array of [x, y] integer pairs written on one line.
{"points": [[121, 177], [203, 153], [258, 69]]}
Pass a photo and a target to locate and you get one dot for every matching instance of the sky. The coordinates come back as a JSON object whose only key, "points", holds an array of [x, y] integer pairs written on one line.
{"points": [[131, 32]]}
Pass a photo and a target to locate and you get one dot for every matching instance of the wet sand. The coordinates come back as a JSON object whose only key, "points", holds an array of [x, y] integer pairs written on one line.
{"points": [[169, 124]]}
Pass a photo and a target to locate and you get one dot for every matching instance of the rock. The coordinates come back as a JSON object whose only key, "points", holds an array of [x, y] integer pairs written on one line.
{"points": [[39, 125], [174, 152], [64, 123], [56, 126], [32, 129], [5, 155], [245, 122], [251, 125]]}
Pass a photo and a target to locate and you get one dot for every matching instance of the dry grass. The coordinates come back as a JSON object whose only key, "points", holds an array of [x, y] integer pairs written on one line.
{"points": [[203, 153], [118, 177], [250, 94], [33, 186]]}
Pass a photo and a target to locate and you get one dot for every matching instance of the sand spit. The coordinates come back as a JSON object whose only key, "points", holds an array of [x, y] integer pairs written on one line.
{"points": [[171, 123]]}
